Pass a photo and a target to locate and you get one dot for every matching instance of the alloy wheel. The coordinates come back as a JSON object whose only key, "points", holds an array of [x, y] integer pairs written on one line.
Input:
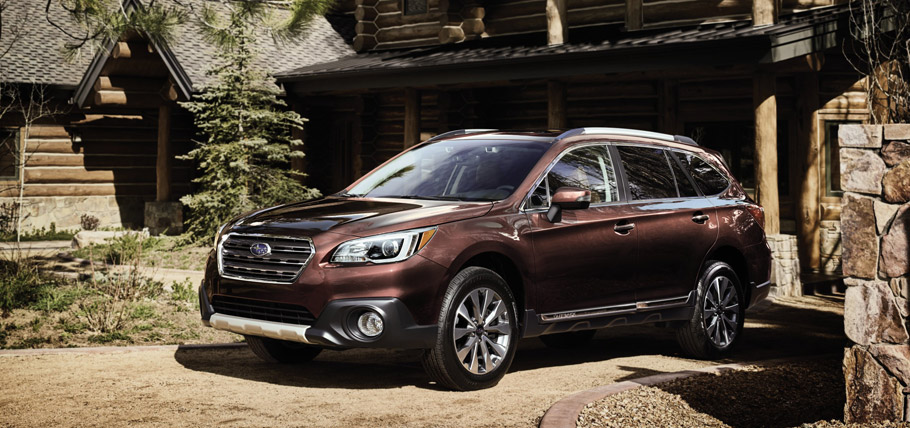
{"points": [[481, 331], [721, 311]]}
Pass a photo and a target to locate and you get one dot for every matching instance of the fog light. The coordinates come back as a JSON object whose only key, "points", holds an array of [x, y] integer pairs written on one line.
{"points": [[370, 324]]}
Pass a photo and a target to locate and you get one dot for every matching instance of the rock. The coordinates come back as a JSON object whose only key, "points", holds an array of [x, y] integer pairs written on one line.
{"points": [[895, 253], [860, 242], [897, 131], [901, 287], [861, 171], [871, 314], [868, 136], [895, 152], [883, 215], [896, 183], [91, 237], [164, 217], [872, 395]]}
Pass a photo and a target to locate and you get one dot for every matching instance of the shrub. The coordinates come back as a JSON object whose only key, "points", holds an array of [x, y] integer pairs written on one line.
{"points": [[21, 283], [89, 222], [183, 291]]}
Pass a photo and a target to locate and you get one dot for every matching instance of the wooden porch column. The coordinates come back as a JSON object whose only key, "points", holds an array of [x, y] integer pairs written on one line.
{"points": [[163, 163], [411, 117], [557, 22], [634, 18], [807, 206], [556, 105], [765, 104], [764, 12]]}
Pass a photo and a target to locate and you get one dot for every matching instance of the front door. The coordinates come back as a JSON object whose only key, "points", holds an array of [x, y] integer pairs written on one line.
{"points": [[581, 262]]}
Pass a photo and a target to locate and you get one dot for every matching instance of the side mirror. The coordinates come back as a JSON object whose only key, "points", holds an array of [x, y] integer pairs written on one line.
{"points": [[568, 198]]}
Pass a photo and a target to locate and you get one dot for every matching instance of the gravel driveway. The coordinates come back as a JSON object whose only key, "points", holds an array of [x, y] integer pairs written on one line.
{"points": [[231, 387]]}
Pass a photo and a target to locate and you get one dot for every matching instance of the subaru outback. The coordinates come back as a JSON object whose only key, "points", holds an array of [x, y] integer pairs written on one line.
{"points": [[474, 239]]}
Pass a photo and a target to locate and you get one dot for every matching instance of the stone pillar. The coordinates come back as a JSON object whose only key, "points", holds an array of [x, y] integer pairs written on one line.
{"points": [[785, 266], [875, 222]]}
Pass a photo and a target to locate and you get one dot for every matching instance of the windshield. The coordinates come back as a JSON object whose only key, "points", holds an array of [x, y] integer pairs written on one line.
{"points": [[471, 170]]}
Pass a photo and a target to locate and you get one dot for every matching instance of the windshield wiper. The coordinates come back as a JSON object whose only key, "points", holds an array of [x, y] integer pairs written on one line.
{"points": [[436, 198], [348, 195]]}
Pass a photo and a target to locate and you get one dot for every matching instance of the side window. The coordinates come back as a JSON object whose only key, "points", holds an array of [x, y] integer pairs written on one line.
{"points": [[683, 183], [648, 172], [587, 168], [708, 178]]}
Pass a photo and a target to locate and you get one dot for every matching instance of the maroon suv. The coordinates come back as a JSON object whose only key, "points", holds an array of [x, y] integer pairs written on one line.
{"points": [[470, 241]]}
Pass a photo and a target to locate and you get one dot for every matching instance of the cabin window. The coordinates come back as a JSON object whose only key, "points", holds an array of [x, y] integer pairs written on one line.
{"points": [[414, 7], [9, 149], [832, 157]]}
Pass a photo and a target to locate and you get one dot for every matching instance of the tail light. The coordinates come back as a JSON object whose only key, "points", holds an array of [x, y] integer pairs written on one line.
{"points": [[758, 213]]}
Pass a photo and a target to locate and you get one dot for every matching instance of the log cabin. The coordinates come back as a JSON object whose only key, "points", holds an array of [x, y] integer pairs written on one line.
{"points": [[109, 148], [765, 82]]}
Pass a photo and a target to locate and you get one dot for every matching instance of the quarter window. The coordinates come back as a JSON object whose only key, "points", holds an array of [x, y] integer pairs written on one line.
{"points": [[586, 168], [648, 173], [708, 178]]}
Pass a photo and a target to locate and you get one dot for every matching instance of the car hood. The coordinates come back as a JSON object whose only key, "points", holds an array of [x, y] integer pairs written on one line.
{"points": [[357, 216]]}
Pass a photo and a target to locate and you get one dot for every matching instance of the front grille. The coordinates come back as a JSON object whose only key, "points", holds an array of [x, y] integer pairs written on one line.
{"points": [[288, 257], [265, 311]]}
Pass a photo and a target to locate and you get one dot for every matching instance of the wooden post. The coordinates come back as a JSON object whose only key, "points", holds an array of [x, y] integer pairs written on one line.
{"points": [[411, 117], [807, 208], [765, 104], [557, 22], [764, 12], [163, 164], [634, 18], [556, 105], [668, 113]]}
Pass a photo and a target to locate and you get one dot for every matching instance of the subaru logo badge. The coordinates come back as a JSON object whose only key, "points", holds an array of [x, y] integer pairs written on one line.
{"points": [[260, 249]]}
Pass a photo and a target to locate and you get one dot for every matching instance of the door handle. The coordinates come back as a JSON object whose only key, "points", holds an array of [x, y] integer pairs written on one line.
{"points": [[700, 218], [623, 227]]}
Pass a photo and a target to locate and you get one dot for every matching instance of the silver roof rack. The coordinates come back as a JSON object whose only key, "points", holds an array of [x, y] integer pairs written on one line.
{"points": [[459, 132], [628, 133]]}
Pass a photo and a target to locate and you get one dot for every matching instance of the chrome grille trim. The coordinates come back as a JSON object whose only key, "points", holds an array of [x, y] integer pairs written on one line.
{"points": [[283, 265]]}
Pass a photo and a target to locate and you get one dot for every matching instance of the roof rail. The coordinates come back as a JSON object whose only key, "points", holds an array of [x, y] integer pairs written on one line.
{"points": [[628, 133], [459, 132]]}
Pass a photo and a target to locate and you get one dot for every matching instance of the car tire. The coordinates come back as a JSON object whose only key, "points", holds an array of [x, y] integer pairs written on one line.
{"points": [[568, 340], [281, 351], [470, 355], [719, 315]]}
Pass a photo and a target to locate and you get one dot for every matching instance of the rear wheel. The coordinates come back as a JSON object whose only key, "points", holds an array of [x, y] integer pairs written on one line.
{"points": [[478, 332], [718, 319], [572, 339], [281, 351]]}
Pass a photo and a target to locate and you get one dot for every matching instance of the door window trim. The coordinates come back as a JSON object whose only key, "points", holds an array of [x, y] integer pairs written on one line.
{"points": [[665, 149], [606, 146]]}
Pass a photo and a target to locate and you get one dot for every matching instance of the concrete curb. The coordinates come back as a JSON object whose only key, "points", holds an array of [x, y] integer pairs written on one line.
{"points": [[115, 349], [564, 413]]}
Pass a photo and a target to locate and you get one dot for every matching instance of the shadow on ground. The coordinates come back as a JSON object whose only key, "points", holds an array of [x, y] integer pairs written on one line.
{"points": [[804, 326]]}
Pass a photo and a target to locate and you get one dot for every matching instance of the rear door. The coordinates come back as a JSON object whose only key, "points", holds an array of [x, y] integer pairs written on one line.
{"points": [[581, 262], [676, 226]]}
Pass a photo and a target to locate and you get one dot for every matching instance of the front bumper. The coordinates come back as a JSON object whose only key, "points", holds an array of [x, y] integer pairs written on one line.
{"points": [[335, 327]]}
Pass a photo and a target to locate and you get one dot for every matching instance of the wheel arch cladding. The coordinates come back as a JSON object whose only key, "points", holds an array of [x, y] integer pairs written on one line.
{"points": [[737, 261], [507, 269]]}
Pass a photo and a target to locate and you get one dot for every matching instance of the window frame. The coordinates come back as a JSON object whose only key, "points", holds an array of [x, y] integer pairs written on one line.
{"points": [[714, 167], [621, 194], [674, 159], [17, 137]]}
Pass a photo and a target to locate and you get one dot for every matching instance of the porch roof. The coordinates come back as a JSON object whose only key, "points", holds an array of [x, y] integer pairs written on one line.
{"points": [[607, 49]]}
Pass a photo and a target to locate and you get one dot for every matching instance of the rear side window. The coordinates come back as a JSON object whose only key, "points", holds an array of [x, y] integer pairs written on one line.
{"points": [[708, 178], [683, 183], [587, 168], [648, 172]]}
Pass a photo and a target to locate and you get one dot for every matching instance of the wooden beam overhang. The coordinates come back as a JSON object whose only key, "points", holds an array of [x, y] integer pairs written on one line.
{"points": [[86, 85]]}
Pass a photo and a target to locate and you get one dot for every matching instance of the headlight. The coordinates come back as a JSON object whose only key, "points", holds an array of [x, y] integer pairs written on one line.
{"points": [[388, 248]]}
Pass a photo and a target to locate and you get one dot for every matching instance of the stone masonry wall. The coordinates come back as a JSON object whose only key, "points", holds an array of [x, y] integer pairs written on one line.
{"points": [[784, 266], [65, 211], [875, 223]]}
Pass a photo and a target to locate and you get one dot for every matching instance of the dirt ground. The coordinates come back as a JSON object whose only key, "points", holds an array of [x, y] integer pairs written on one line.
{"points": [[230, 387]]}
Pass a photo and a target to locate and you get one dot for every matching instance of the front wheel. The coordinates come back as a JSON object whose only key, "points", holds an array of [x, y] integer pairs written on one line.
{"points": [[719, 314], [281, 351], [478, 332]]}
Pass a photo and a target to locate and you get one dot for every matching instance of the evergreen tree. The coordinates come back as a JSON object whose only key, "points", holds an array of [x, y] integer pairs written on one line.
{"points": [[244, 155]]}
